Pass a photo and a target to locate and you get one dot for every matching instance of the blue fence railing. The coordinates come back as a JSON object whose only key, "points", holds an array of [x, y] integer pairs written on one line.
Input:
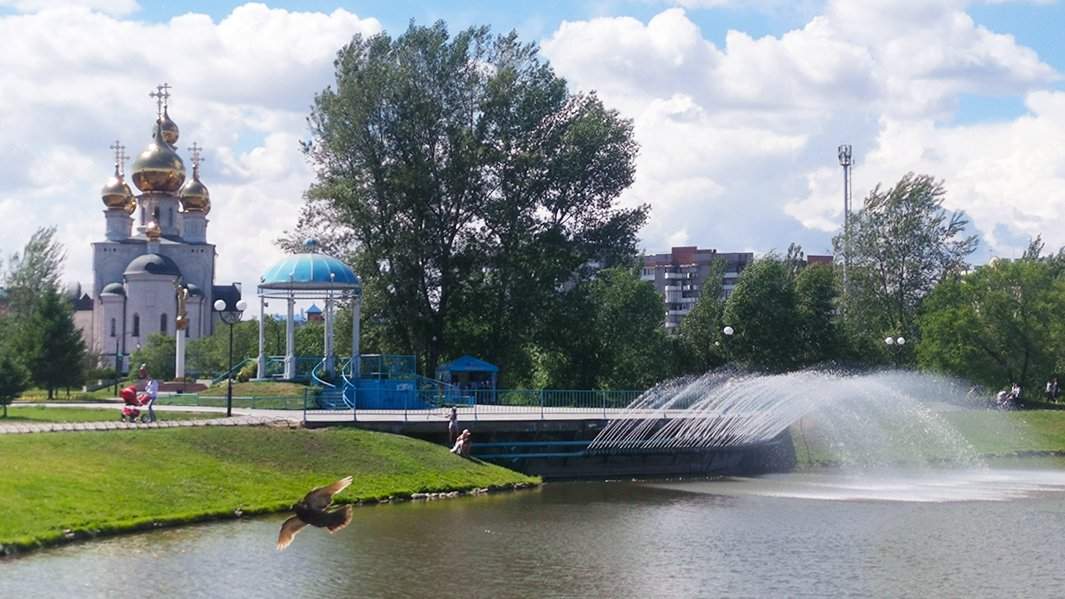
{"points": [[408, 398]]}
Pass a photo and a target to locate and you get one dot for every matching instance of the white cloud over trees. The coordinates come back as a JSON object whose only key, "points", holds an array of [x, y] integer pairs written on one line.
{"points": [[738, 141]]}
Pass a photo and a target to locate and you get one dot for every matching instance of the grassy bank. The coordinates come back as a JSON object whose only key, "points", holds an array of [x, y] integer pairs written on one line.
{"points": [[257, 389], [19, 413], [67, 485], [990, 433]]}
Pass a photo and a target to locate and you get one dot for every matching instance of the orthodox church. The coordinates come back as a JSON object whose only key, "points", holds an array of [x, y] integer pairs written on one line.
{"points": [[154, 270]]}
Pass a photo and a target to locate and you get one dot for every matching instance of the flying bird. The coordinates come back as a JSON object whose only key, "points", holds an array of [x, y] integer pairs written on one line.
{"points": [[312, 509]]}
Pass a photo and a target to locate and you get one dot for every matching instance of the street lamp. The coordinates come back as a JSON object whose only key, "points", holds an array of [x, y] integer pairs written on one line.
{"points": [[895, 343], [230, 316], [728, 331]]}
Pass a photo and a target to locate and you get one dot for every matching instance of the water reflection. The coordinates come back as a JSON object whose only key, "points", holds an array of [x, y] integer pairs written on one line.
{"points": [[757, 537]]}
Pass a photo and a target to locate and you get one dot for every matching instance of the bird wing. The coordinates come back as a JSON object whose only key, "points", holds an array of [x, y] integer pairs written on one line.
{"points": [[288, 532], [320, 498], [338, 518]]}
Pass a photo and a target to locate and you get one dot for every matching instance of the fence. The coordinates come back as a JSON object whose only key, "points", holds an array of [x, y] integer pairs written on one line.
{"points": [[412, 403]]}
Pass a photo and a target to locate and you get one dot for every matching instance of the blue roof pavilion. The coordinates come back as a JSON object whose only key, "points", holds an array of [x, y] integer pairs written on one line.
{"points": [[311, 276]]}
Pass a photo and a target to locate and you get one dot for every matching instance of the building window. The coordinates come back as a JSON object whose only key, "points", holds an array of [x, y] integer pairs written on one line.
{"points": [[136, 325], [112, 327], [162, 323]]}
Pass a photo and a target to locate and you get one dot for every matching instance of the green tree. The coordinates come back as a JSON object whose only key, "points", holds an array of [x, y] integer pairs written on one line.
{"points": [[470, 184], [209, 356], [903, 243], [762, 311], [13, 378], [633, 352], [34, 271], [51, 346], [158, 353], [997, 325], [700, 331], [815, 300]]}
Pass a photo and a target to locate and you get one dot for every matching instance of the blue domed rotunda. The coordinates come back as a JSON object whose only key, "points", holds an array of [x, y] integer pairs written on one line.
{"points": [[310, 275]]}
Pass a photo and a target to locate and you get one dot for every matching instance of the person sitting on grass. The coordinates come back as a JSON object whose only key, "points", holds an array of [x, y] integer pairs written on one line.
{"points": [[463, 445]]}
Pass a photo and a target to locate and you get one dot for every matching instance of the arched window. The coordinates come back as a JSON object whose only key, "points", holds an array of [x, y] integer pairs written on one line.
{"points": [[162, 323], [113, 326], [136, 325]]}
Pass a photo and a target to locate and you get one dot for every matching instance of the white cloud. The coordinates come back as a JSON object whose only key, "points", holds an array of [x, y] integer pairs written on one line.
{"points": [[74, 79], [739, 142]]}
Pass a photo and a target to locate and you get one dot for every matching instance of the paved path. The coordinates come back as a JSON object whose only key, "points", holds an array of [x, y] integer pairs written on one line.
{"points": [[242, 419]]}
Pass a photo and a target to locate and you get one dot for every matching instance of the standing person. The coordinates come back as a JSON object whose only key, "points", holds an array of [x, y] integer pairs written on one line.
{"points": [[151, 389], [1050, 390], [453, 426]]}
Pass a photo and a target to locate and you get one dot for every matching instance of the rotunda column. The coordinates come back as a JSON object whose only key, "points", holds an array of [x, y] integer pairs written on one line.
{"points": [[330, 358], [356, 316], [260, 372], [290, 342]]}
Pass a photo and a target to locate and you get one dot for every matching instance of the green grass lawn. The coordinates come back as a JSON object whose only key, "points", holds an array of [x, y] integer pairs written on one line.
{"points": [[76, 395], [257, 389], [990, 433], [19, 413], [102, 482]]}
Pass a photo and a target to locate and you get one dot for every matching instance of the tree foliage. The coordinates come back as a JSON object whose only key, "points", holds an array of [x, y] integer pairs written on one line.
{"points": [[762, 311], [34, 271], [816, 300], [469, 183], [700, 331], [903, 243], [998, 325], [51, 345], [13, 378]]}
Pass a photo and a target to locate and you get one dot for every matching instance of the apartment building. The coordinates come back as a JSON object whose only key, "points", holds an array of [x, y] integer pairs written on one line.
{"points": [[679, 276]]}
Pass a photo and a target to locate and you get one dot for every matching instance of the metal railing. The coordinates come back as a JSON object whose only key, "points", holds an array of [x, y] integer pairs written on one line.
{"points": [[474, 404]]}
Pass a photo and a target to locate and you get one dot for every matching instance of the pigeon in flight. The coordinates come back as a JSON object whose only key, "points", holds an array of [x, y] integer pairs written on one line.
{"points": [[312, 509]]}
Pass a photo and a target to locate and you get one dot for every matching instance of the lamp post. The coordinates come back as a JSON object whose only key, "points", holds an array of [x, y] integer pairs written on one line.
{"points": [[118, 366], [231, 316], [895, 344]]}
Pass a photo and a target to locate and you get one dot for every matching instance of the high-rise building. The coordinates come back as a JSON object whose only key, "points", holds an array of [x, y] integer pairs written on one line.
{"points": [[679, 276]]}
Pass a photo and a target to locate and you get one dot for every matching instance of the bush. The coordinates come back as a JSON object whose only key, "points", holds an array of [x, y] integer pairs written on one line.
{"points": [[248, 372]]}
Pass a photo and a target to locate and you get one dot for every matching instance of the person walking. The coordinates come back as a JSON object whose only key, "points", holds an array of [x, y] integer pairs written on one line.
{"points": [[151, 389]]}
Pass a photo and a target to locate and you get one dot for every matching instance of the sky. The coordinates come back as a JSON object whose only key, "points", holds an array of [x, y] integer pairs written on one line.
{"points": [[738, 108]]}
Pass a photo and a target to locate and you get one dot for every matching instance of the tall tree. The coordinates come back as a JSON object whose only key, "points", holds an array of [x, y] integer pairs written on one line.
{"points": [[816, 299], [762, 312], [36, 269], [903, 242], [471, 181], [998, 325], [633, 352], [51, 345], [13, 378], [700, 331]]}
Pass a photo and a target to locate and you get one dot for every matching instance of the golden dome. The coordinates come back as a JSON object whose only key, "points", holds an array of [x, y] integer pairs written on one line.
{"points": [[170, 129], [152, 231], [158, 168], [116, 194], [194, 195]]}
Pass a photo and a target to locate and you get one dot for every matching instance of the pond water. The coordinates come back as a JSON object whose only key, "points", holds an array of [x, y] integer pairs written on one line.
{"points": [[962, 533]]}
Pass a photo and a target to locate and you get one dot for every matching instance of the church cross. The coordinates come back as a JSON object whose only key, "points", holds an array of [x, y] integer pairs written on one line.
{"points": [[196, 151], [161, 94], [120, 157]]}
